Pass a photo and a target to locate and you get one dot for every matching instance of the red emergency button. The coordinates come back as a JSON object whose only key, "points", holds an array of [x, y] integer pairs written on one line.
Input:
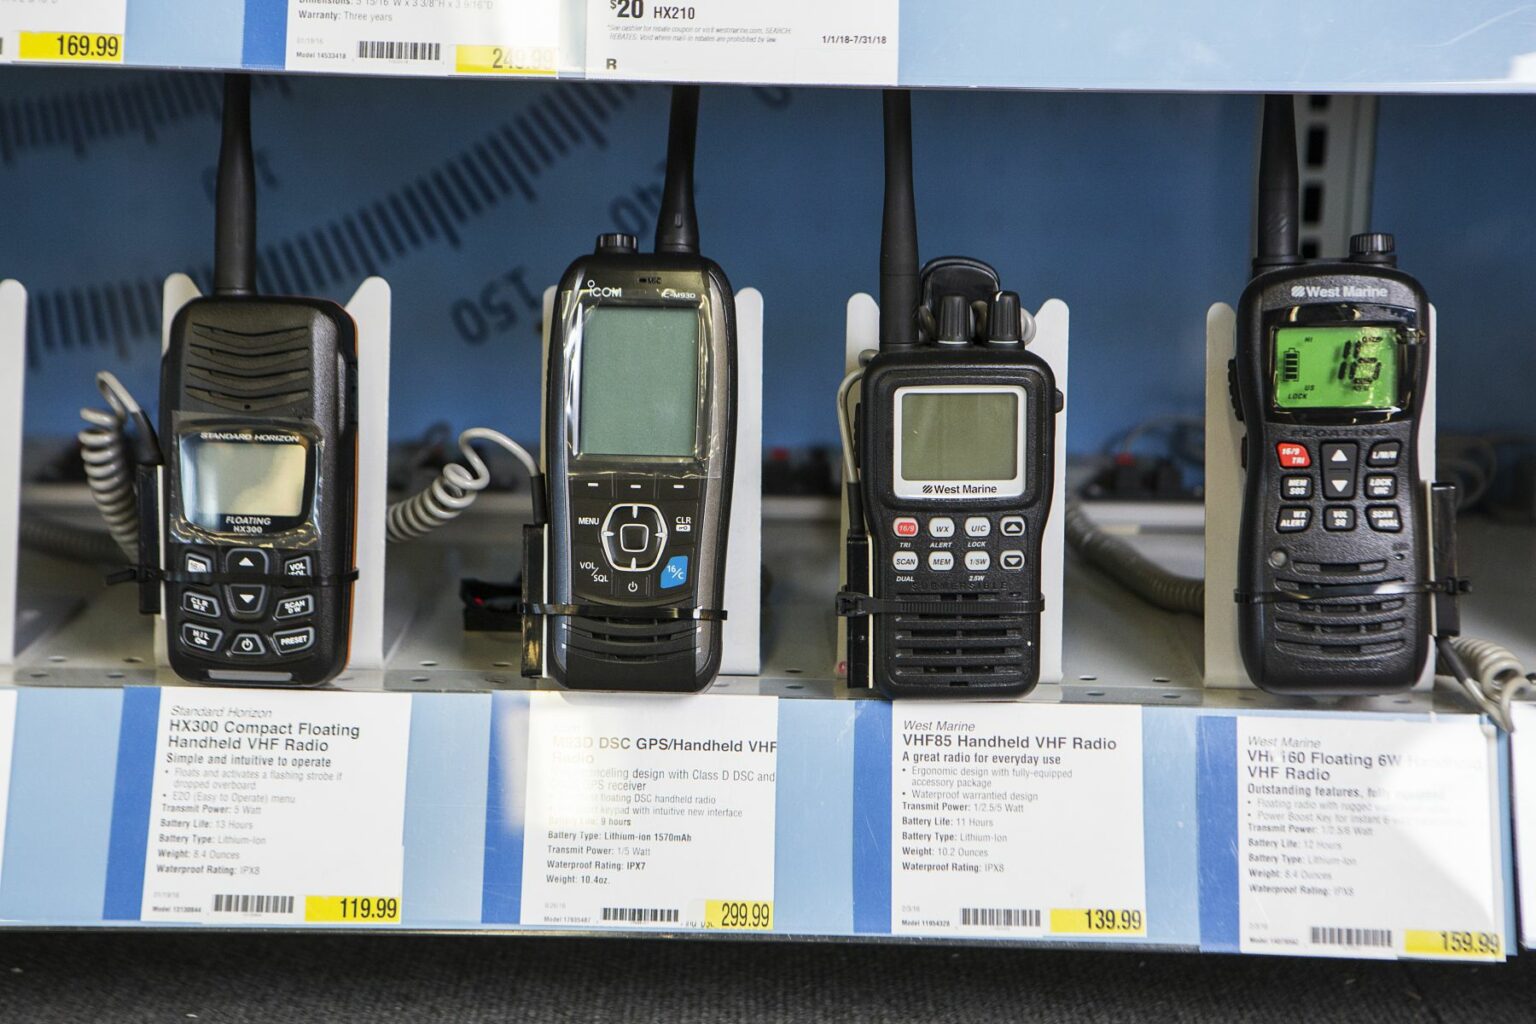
{"points": [[1293, 455], [906, 526]]}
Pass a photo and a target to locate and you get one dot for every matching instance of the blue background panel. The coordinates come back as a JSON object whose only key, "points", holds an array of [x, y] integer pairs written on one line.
{"points": [[445, 800], [471, 196]]}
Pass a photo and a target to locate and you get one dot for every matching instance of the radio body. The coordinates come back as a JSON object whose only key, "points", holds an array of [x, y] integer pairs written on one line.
{"points": [[258, 425], [957, 451], [1331, 364], [640, 446]]}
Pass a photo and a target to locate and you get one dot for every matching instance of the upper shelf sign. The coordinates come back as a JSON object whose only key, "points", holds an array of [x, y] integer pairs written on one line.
{"points": [[793, 42], [408, 37]]}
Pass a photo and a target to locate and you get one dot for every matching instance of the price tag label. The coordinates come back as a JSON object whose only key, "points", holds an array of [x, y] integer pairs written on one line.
{"points": [[277, 808], [1368, 838], [77, 32], [650, 812], [7, 740], [852, 42], [409, 37], [1017, 820]]}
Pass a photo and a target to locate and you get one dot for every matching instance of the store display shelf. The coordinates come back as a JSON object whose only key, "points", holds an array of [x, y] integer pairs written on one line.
{"points": [[471, 769]]}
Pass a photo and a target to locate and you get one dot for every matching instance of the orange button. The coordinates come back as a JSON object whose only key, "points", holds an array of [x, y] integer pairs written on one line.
{"points": [[906, 526]]}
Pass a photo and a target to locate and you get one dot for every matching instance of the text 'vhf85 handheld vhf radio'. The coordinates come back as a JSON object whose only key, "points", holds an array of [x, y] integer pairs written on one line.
{"points": [[639, 450], [954, 447], [258, 429], [1332, 362]]}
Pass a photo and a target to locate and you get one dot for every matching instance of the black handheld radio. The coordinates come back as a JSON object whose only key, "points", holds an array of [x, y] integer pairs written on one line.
{"points": [[258, 428], [640, 440], [1331, 363], [954, 445]]}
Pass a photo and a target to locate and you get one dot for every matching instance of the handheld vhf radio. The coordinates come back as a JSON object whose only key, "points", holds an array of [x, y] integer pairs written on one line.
{"points": [[1331, 363], [258, 426], [954, 445], [640, 436]]}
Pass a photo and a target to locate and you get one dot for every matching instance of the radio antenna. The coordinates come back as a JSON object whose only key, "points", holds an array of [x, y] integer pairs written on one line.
{"points": [[234, 224], [677, 226], [898, 229], [1276, 241]]}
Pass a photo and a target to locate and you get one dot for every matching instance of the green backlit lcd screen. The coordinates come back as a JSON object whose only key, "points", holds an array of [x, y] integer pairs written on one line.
{"points": [[639, 381], [1336, 367]]}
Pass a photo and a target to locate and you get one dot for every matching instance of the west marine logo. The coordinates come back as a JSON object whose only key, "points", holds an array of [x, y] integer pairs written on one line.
{"points": [[1338, 291], [950, 489]]}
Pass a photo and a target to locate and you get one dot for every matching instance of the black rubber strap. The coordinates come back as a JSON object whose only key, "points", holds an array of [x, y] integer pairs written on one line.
{"points": [[1452, 585], [852, 605], [133, 573], [602, 611]]}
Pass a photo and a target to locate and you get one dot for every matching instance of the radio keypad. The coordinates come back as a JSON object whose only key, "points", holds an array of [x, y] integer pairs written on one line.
{"points": [[269, 622], [940, 551], [632, 538], [1343, 476]]}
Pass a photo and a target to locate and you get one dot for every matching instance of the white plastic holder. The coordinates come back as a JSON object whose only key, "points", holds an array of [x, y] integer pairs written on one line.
{"points": [[13, 372], [1224, 499], [370, 310], [741, 633], [1052, 323]]}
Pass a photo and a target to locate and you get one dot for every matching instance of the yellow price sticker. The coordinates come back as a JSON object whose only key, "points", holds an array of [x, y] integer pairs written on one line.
{"points": [[93, 47], [503, 60], [352, 909], [1097, 921], [1473, 945], [739, 915]]}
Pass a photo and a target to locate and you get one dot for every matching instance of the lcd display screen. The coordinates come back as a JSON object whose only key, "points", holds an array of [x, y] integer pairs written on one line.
{"points": [[1336, 368], [241, 478], [960, 435], [639, 382]]}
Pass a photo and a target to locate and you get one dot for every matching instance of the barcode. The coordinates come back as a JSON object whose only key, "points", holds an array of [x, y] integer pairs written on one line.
{"points": [[641, 915], [1000, 917], [1325, 936], [391, 50], [224, 904]]}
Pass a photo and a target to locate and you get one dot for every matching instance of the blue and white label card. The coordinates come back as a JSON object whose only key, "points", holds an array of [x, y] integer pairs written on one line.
{"points": [[1017, 821], [263, 807], [424, 37], [650, 811], [7, 743], [1351, 836], [793, 42]]}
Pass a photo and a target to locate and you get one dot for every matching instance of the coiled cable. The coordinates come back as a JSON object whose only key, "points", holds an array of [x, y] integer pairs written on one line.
{"points": [[1488, 673], [66, 540], [457, 487], [1125, 565], [109, 467]]}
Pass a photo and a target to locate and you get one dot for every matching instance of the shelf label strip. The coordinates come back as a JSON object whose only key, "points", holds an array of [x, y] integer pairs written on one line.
{"points": [[1522, 756], [648, 812], [1350, 837], [263, 807], [1017, 821]]}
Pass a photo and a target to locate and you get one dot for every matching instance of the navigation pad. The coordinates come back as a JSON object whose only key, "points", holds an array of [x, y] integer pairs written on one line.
{"points": [[625, 546]]}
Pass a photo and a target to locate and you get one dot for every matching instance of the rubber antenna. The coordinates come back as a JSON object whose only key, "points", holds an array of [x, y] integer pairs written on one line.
{"points": [[677, 226], [234, 224], [898, 229], [1276, 234]]}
